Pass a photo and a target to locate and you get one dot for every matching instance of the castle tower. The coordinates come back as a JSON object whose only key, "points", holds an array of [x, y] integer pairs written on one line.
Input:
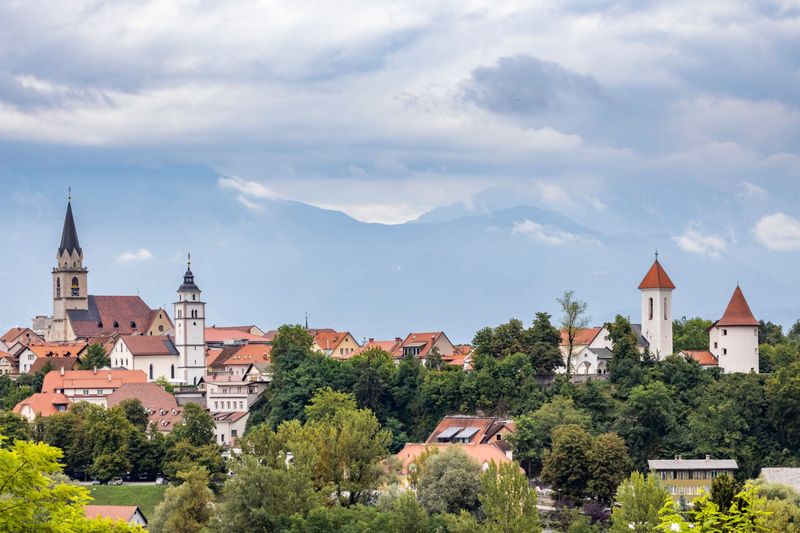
{"points": [[656, 289], [70, 280], [733, 338], [190, 327]]}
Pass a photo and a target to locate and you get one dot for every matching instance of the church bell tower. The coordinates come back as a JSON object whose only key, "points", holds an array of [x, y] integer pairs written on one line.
{"points": [[70, 280], [190, 329]]}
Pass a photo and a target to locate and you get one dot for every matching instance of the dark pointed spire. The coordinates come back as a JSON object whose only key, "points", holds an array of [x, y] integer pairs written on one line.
{"points": [[69, 235], [188, 277]]}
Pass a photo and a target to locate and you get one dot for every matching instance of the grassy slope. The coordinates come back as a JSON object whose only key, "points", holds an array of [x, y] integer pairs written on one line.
{"points": [[145, 496]]}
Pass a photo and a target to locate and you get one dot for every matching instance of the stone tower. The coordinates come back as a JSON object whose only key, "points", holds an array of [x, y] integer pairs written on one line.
{"points": [[190, 327], [70, 280], [656, 289], [734, 337]]}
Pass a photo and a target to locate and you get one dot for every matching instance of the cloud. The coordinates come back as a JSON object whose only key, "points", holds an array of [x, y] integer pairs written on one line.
{"points": [[249, 192], [524, 84], [542, 233], [693, 241], [142, 254], [778, 232], [595, 202], [751, 190]]}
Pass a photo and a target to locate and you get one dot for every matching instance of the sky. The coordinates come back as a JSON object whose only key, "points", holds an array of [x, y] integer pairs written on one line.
{"points": [[643, 125]]}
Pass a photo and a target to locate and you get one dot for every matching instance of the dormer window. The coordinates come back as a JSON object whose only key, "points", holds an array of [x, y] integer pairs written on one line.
{"points": [[115, 324], [100, 324], [133, 324]]}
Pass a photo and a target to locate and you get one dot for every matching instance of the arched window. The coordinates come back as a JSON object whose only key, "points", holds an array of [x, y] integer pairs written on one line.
{"points": [[194, 297], [172, 371], [76, 288], [151, 371], [58, 287]]}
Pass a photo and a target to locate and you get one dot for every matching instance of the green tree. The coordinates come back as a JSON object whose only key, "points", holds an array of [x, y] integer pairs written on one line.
{"points": [[196, 426], [639, 500], [744, 516], [573, 319], [609, 464], [690, 334], [14, 427], [186, 508], [723, 490], [182, 456], [507, 501], [534, 431], [543, 345], [433, 359], [783, 394], [135, 413], [449, 483], [95, 357], [769, 333], [625, 366], [566, 465], [373, 369], [647, 420]]}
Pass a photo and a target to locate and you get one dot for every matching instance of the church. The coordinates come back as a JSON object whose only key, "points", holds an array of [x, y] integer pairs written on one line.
{"points": [[146, 338]]}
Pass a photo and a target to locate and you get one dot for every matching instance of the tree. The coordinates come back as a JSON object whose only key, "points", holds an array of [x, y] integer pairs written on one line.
{"points": [[566, 465], [95, 357], [783, 393], [625, 365], [507, 501], [449, 483], [14, 427], [744, 516], [573, 319], [135, 413], [186, 508], [690, 334], [723, 490], [609, 463], [639, 499], [646, 421], [32, 497], [769, 333], [543, 345], [433, 359], [182, 456], [196, 426], [373, 368], [534, 431]]}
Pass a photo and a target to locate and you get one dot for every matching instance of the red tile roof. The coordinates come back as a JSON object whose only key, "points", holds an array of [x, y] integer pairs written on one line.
{"points": [[737, 313], [583, 336], [656, 278], [221, 335], [243, 355], [212, 354], [162, 406], [114, 512], [75, 379], [425, 341], [481, 453], [57, 363], [129, 313], [481, 422], [12, 336], [704, 357], [43, 403], [57, 349], [150, 344], [387, 346]]}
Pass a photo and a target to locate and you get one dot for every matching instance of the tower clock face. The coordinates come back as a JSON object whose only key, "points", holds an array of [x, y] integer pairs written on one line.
{"points": [[76, 291]]}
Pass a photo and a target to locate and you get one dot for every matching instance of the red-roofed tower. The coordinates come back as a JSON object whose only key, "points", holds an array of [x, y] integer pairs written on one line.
{"points": [[734, 337], [656, 289]]}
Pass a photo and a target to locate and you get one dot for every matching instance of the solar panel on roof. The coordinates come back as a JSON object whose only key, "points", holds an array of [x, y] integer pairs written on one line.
{"points": [[467, 433], [449, 432]]}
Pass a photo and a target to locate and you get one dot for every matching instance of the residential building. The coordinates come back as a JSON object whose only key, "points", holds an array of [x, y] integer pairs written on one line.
{"points": [[420, 344], [656, 289], [336, 344], [156, 356], [51, 352], [688, 478], [190, 326], [227, 393], [237, 360], [219, 337], [387, 346], [92, 386], [162, 407], [130, 514], [42, 404], [230, 426], [8, 364], [55, 363], [591, 349], [483, 454], [733, 338], [704, 357], [24, 336]]}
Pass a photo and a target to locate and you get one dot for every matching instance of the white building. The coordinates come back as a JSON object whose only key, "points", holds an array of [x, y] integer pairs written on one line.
{"points": [[190, 324], [156, 356], [733, 338], [656, 289]]}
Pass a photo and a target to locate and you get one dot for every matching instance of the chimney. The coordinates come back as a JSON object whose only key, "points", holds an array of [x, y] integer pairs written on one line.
{"points": [[62, 370], [397, 339], [708, 457], [372, 339], [109, 376], [95, 370]]}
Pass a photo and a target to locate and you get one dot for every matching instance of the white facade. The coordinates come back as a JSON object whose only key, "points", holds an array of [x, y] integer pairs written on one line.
{"points": [[736, 348], [190, 324], [657, 320]]}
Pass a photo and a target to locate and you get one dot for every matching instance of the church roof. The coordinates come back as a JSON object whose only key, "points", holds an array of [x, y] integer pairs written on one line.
{"points": [[737, 313], [111, 314], [150, 344], [69, 235], [656, 278]]}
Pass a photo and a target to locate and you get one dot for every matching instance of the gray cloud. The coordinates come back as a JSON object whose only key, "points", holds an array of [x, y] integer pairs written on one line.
{"points": [[527, 85]]}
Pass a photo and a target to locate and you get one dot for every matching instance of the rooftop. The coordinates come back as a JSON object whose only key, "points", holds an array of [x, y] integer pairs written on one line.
{"points": [[692, 464]]}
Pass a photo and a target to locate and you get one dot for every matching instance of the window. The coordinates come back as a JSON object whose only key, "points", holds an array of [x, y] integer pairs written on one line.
{"points": [[179, 313], [194, 297], [724, 351], [172, 371], [216, 405], [58, 287], [151, 371], [233, 433], [724, 331], [76, 289], [716, 344], [86, 392], [160, 329], [651, 309], [665, 308]]}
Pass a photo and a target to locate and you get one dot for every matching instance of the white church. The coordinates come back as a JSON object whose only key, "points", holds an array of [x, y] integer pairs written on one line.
{"points": [[733, 339], [143, 338]]}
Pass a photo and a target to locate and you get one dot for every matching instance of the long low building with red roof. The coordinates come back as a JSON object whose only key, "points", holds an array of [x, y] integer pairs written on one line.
{"points": [[162, 407], [92, 386]]}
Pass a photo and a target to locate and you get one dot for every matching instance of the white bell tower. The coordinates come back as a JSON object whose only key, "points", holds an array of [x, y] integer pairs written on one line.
{"points": [[656, 289], [190, 328]]}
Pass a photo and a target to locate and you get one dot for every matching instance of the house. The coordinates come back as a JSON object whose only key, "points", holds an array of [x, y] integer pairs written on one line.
{"points": [[8, 364], [55, 363], [419, 345], [237, 360], [387, 346], [162, 407], [24, 336], [591, 349], [704, 357], [687, 478], [251, 329], [42, 404], [51, 351], [156, 356], [92, 386], [483, 454], [23, 356], [733, 338], [466, 429], [336, 344], [130, 514], [228, 392], [220, 337], [230, 426]]}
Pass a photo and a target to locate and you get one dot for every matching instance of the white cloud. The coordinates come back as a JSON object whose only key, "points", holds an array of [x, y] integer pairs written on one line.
{"points": [[249, 191], [553, 194], [542, 233], [778, 232], [693, 241], [751, 190], [595, 202], [142, 254]]}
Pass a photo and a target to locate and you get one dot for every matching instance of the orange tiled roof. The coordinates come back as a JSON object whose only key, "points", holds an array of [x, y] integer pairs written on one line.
{"points": [[246, 355], [329, 339], [656, 278], [737, 313], [57, 349], [387, 346], [583, 337], [212, 354], [12, 335], [114, 512], [150, 344], [221, 334], [43, 403], [704, 357], [425, 339], [74, 379], [481, 453]]}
